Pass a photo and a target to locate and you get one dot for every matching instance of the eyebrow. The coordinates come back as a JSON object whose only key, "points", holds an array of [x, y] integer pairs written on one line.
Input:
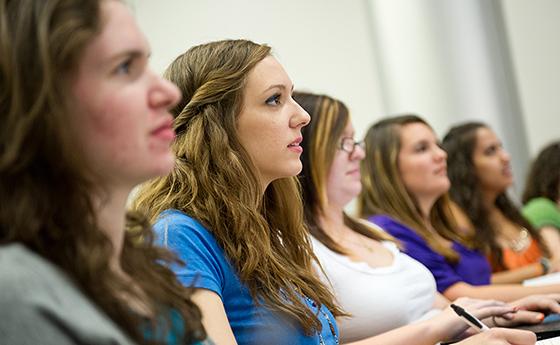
{"points": [[277, 86], [132, 53]]}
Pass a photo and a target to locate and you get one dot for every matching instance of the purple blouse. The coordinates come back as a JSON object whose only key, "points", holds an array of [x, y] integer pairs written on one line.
{"points": [[473, 268]]}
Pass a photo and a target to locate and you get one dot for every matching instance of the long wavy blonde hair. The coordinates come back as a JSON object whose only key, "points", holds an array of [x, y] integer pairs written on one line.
{"points": [[215, 181], [384, 192]]}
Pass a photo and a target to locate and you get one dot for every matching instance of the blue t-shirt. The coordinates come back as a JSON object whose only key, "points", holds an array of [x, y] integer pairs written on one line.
{"points": [[472, 268], [208, 268], [175, 335]]}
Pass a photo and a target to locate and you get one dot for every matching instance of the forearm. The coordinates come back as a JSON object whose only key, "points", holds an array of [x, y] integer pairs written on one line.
{"points": [[506, 293], [421, 333], [517, 275]]}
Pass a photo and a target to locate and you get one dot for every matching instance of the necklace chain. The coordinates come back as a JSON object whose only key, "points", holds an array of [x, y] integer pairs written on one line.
{"points": [[326, 316], [361, 244], [521, 242]]}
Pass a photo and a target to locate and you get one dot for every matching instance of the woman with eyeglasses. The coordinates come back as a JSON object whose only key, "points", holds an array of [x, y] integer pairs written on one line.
{"points": [[382, 289]]}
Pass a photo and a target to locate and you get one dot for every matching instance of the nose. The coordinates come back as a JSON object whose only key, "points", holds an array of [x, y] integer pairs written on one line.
{"points": [[440, 154], [505, 156], [164, 94], [300, 117], [359, 152]]}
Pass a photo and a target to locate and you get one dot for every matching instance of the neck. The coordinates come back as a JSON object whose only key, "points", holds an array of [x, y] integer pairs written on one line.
{"points": [[332, 222], [110, 209], [489, 199], [426, 205]]}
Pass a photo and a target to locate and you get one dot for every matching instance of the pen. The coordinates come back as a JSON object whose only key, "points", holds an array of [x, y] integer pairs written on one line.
{"points": [[469, 318]]}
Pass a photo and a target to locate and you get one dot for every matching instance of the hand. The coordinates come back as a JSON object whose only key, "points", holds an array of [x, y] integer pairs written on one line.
{"points": [[452, 326], [501, 336], [554, 264], [531, 310]]}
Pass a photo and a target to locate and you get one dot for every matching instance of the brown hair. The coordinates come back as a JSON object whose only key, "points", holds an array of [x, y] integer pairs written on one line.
{"points": [[215, 181], [322, 136], [543, 180], [384, 192], [460, 143], [45, 195]]}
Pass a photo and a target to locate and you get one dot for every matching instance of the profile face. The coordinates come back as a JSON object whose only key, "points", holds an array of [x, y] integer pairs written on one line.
{"points": [[491, 162], [343, 181], [422, 163], [269, 125], [119, 111]]}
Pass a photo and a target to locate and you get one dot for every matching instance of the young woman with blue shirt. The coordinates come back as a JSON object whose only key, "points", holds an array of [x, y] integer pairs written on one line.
{"points": [[231, 207]]}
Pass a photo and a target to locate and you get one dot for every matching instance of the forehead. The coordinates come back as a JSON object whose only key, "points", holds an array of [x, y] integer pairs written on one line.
{"points": [[267, 73], [119, 34], [349, 127], [485, 136], [416, 131]]}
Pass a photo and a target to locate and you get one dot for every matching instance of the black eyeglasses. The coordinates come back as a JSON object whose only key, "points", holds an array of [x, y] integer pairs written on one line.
{"points": [[349, 144]]}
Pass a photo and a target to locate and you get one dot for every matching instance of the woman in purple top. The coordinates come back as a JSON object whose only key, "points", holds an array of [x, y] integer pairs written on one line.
{"points": [[405, 187]]}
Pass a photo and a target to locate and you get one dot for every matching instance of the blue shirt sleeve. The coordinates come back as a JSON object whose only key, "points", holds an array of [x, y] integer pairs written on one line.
{"points": [[196, 247], [417, 248]]}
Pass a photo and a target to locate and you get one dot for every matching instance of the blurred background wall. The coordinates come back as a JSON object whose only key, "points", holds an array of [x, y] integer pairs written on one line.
{"points": [[449, 61]]}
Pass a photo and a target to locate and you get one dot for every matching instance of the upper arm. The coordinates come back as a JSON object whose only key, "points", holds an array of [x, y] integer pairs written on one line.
{"points": [[23, 323], [214, 317], [551, 237], [204, 261]]}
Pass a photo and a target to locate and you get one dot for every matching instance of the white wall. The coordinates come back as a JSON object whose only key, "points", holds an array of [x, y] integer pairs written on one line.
{"points": [[533, 29], [325, 45], [496, 60]]}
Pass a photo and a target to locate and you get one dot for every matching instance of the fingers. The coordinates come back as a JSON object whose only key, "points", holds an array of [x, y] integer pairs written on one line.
{"points": [[501, 336], [549, 303], [521, 317]]}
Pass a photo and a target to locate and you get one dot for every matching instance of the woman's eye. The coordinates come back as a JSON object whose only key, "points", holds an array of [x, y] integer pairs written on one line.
{"points": [[124, 67], [273, 100], [421, 147], [490, 151]]}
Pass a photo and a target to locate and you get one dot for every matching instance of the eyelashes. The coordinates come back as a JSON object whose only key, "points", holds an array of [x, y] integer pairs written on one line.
{"points": [[124, 67], [274, 99]]}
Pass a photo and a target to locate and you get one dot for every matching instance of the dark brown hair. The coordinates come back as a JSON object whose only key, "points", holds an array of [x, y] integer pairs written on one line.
{"points": [[460, 143], [384, 192], [321, 139], [543, 180], [44, 192], [215, 181]]}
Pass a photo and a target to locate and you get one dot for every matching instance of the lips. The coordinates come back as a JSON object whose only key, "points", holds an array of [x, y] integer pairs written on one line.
{"points": [[441, 171], [165, 130], [296, 142]]}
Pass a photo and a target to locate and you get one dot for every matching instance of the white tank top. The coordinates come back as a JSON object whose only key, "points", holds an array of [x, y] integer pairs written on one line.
{"points": [[379, 299]]}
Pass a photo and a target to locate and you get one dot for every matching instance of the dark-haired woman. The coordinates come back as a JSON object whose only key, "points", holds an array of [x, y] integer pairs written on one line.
{"points": [[541, 197], [83, 121], [480, 173]]}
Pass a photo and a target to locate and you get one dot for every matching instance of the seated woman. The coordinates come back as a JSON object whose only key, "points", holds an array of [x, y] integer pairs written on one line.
{"points": [[381, 288], [479, 170], [231, 207], [405, 186], [83, 121], [542, 196]]}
